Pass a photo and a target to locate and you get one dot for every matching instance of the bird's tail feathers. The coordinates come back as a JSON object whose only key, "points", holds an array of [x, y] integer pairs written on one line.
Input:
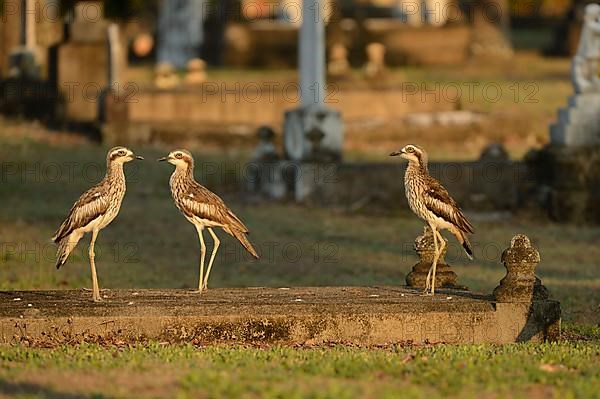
{"points": [[65, 247], [467, 245], [461, 236], [241, 237]]}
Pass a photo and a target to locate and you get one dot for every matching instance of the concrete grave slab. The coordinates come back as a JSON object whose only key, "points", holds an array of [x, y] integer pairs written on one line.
{"points": [[365, 316]]}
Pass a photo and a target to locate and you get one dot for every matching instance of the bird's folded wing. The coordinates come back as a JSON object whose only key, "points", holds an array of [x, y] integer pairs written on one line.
{"points": [[92, 204], [438, 200], [201, 202]]}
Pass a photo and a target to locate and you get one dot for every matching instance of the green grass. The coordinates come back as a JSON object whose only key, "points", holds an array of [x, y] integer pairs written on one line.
{"points": [[519, 370]]}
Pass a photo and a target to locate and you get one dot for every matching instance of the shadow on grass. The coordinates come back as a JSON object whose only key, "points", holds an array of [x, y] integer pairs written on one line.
{"points": [[29, 389]]}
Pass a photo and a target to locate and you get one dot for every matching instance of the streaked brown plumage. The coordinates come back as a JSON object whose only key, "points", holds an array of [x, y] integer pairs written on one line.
{"points": [[204, 209], [94, 210], [430, 201]]}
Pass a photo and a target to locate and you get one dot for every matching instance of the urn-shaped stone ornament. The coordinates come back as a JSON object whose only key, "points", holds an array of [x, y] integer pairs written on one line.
{"points": [[424, 246], [520, 283]]}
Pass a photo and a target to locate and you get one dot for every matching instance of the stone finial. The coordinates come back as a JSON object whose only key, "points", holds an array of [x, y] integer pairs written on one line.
{"points": [[165, 76], [445, 276], [520, 283], [196, 72], [265, 150], [338, 65], [375, 66], [494, 152]]}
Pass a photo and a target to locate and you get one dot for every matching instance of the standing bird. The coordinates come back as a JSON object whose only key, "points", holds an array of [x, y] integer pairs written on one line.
{"points": [[94, 210], [430, 201], [203, 209]]}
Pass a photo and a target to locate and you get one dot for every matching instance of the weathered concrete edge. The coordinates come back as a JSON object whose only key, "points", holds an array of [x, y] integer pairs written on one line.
{"points": [[510, 322]]}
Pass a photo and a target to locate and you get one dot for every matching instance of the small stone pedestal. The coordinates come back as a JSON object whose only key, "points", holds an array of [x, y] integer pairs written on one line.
{"points": [[445, 276], [520, 283], [579, 123]]}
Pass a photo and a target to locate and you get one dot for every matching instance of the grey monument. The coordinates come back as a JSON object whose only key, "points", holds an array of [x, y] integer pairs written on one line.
{"points": [[579, 123], [180, 33], [301, 125]]}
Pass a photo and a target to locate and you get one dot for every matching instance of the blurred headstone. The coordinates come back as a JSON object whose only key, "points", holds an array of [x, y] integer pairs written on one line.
{"points": [[89, 25], [312, 114], [196, 72], [50, 33], [180, 30], [490, 35], [84, 62]]}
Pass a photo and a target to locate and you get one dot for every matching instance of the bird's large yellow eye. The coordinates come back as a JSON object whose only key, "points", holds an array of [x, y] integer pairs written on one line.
{"points": [[410, 149], [178, 155], [121, 153]]}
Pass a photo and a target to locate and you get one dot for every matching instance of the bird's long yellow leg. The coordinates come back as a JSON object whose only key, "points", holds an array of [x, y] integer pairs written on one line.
{"points": [[95, 288], [437, 258], [212, 256], [202, 256], [428, 284]]}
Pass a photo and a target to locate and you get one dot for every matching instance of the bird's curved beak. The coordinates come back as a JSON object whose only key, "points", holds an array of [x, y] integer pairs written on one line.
{"points": [[396, 153], [162, 159]]}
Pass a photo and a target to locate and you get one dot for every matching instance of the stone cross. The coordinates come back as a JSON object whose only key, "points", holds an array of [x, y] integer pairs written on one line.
{"points": [[445, 276], [312, 54], [196, 72], [520, 283], [116, 59], [312, 113]]}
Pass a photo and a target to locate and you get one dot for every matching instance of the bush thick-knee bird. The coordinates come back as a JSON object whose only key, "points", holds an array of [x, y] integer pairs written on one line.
{"points": [[430, 201], [94, 210], [204, 209]]}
